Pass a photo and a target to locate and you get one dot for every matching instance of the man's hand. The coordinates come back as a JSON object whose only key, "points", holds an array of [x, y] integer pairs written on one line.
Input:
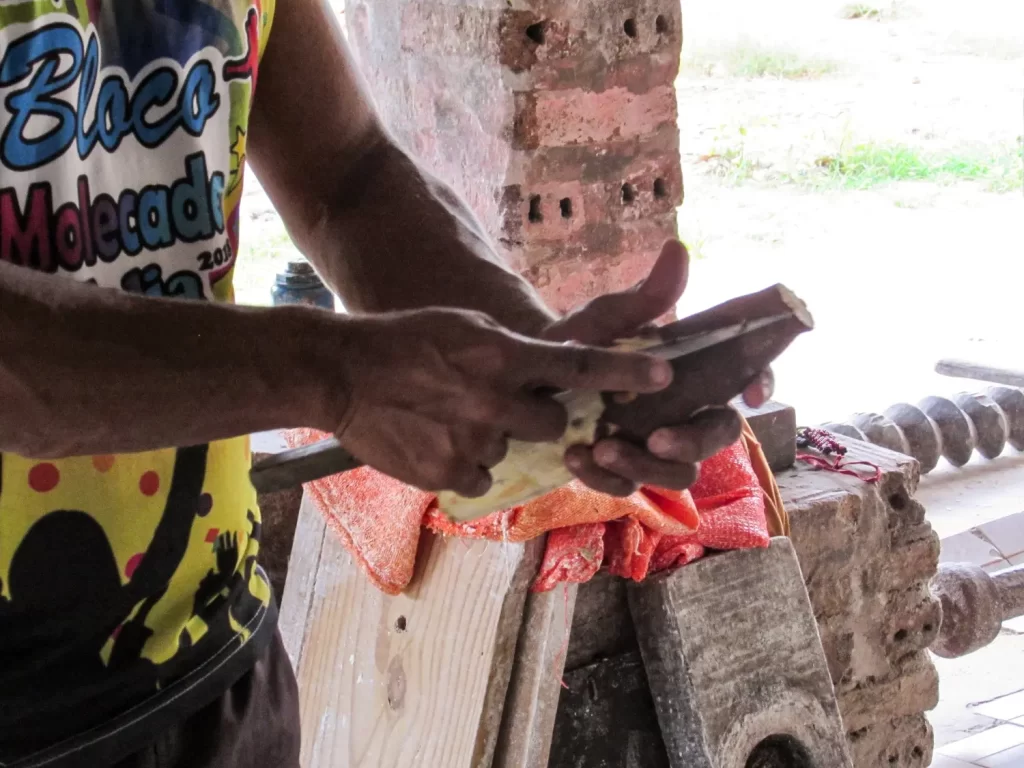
{"points": [[673, 454], [435, 394]]}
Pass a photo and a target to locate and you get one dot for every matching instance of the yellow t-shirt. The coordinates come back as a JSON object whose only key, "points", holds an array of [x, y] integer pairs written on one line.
{"points": [[129, 590]]}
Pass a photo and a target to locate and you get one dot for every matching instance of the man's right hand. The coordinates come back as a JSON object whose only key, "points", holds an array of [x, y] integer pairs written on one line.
{"points": [[435, 394]]}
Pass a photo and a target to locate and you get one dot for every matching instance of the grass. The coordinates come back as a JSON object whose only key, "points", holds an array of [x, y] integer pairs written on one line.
{"points": [[755, 61], [863, 166], [860, 11], [895, 9], [752, 60], [867, 165], [728, 158]]}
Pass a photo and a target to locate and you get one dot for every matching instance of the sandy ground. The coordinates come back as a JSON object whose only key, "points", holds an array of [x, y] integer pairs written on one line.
{"points": [[896, 276]]}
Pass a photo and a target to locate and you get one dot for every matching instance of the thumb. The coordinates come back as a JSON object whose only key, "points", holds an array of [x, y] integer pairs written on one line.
{"points": [[617, 315]]}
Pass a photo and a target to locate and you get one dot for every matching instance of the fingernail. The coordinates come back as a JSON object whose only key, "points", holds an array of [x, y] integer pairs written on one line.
{"points": [[607, 454], [660, 373], [662, 443], [573, 461]]}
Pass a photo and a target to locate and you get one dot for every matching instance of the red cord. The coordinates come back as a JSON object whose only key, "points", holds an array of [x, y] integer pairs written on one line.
{"points": [[833, 458]]}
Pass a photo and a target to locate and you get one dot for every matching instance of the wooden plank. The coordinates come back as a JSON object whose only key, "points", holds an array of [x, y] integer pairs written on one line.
{"points": [[418, 679], [528, 720], [302, 569], [966, 369], [735, 663]]}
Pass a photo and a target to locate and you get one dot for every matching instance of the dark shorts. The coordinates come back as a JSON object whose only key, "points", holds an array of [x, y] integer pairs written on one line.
{"points": [[254, 725]]}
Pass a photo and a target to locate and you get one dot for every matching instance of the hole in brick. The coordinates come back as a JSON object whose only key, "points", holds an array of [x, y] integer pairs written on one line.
{"points": [[900, 636], [628, 194], [661, 25], [400, 624], [629, 27], [536, 33], [660, 188], [535, 214], [893, 759], [917, 752], [565, 205], [779, 751], [926, 628], [898, 501]]}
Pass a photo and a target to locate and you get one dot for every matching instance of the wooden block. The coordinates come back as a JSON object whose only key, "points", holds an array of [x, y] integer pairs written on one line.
{"points": [[528, 720], [774, 426], [735, 663], [417, 680], [606, 718]]}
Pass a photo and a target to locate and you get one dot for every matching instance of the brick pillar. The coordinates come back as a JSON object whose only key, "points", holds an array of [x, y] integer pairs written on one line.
{"points": [[556, 120]]}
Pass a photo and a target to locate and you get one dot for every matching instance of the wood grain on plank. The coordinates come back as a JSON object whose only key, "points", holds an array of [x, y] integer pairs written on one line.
{"points": [[418, 679]]}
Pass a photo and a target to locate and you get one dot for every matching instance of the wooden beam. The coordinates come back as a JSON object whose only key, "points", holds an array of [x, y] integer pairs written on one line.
{"points": [[414, 680], [966, 369], [528, 721], [735, 663]]}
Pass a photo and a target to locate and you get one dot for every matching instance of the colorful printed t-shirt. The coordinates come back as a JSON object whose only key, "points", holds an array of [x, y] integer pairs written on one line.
{"points": [[129, 590]]}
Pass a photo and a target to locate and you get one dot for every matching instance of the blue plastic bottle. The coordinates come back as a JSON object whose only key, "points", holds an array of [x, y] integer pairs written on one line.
{"points": [[300, 284]]}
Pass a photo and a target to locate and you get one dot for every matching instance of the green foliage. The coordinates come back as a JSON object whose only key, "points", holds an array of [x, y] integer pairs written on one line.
{"points": [[860, 11], [867, 165], [752, 60], [755, 61]]}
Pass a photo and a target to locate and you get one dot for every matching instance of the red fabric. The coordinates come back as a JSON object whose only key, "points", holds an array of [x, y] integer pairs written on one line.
{"points": [[572, 556], [379, 520], [630, 545]]}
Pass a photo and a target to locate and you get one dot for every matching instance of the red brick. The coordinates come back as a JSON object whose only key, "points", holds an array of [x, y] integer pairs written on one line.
{"points": [[538, 216], [648, 189], [558, 118], [609, 161], [567, 284]]}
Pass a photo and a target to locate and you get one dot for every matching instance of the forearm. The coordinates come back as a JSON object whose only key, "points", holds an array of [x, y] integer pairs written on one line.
{"points": [[93, 370], [393, 237]]}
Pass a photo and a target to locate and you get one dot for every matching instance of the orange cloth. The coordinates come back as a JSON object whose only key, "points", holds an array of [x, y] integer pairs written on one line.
{"points": [[733, 505]]}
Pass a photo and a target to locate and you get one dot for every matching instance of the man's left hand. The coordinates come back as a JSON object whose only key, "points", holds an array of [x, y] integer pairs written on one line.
{"points": [[673, 454]]}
